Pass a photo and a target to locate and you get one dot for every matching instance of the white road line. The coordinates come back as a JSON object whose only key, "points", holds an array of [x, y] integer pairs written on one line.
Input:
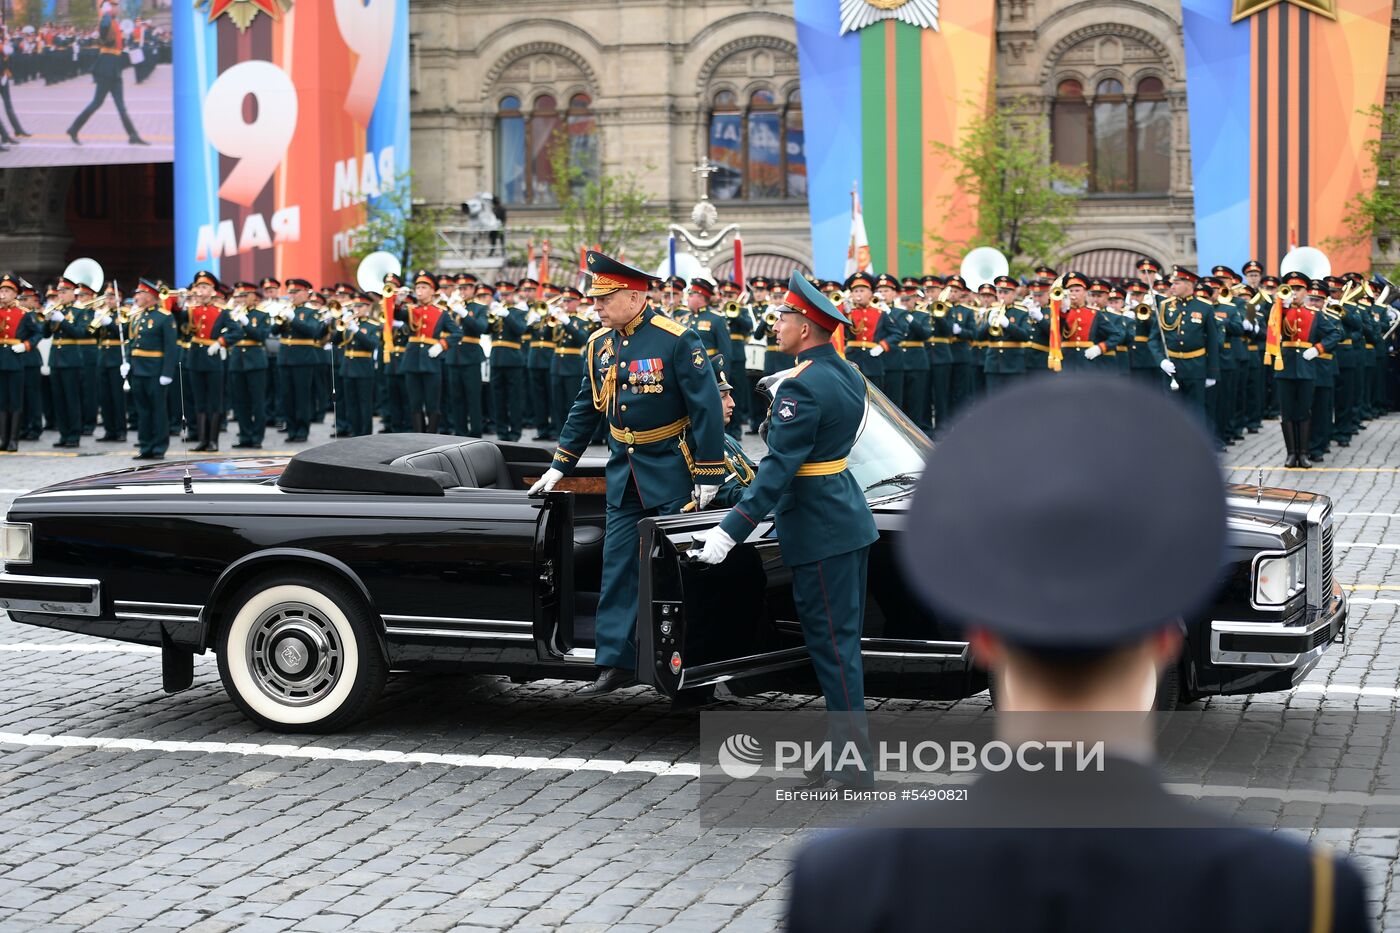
{"points": [[1349, 690], [319, 753], [1383, 547], [1365, 601]]}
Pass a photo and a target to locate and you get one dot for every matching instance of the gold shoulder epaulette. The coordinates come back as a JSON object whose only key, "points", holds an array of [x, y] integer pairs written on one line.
{"points": [[801, 366], [599, 333], [668, 325]]}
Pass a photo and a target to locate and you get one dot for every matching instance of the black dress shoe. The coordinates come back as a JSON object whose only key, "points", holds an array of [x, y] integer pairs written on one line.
{"points": [[112, 439], [815, 777], [609, 679], [73, 135], [243, 444], [136, 141]]}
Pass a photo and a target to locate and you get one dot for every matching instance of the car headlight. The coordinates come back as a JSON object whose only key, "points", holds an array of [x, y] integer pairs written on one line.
{"points": [[16, 543], [1278, 579]]}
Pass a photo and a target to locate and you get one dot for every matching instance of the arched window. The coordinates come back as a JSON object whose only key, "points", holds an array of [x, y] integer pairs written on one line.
{"points": [[544, 124], [1122, 139], [793, 147], [1152, 145], [757, 146], [583, 136], [1111, 172], [1069, 125], [510, 151]]}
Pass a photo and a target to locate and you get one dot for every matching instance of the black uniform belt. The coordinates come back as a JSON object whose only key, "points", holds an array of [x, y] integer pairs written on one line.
{"points": [[630, 436], [76, 343], [150, 354], [1187, 355]]}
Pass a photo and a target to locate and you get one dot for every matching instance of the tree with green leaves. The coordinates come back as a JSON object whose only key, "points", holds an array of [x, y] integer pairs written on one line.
{"points": [[1024, 199], [1373, 214], [596, 208], [401, 223]]}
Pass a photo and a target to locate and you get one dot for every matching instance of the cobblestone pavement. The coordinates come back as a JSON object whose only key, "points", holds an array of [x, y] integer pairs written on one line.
{"points": [[187, 817]]}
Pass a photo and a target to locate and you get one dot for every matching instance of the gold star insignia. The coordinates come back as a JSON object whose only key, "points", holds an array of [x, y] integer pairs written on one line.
{"points": [[1245, 8], [242, 12]]}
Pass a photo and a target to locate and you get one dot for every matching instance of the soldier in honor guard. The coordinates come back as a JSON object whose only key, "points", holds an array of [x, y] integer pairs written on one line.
{"points": [[302, 334], [540, 364], [107, 326], [360, 338], [394, 404], [247, 365], [571, 334], [1059, 849], [1139, 306], [269, 289], [870, 333], [1085, 335], [1268, 401], [464, 362], [962, 323], [892, 360], [87, 386], [1303, 336], [1184, 341], [702, 318], [1227, 329], [825, 526], [1377, 350], [940, 353], [774, 359], [1348, 317], [1096, 298], [673, 297], [741, 327], [154, 359], [1319, 299], [18, 334], [430, 331], [651, 380], [68, 326], [1004, 332], [212, 333], [916, 327], [32, 426], [1115, 306], [509, 325]]}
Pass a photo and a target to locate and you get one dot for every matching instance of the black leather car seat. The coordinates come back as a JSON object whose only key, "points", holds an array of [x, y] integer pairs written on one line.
{"points": [[476, 464]]}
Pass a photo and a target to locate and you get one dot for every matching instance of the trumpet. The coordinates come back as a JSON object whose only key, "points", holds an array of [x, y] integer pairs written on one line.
{"points": [[1143, 310], [1225, 293], [1284, 293], [166, 292], [731, 309], [838, 297], [770, 317]]}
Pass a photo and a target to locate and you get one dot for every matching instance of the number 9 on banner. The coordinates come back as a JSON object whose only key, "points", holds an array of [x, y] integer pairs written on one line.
{"points": [[259, 144]]}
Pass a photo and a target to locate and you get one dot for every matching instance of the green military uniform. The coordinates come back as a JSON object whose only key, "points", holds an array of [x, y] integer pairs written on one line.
{"points": [[1184, 331], [650, 381], [247, 374], [741, 328], [774, 361], [712, 329], [1229, 328], [1325, 376], [570, 339], [940, 367], [360, 344], [68, 327], [303, 334], [508, 330], [155, 357], [917, 326], [537, 368], [464, 369], [1142, 365], [962, 327], [738, 474], [823, 521], [33, 421], [1004, 356], [1350, 350], [111, 399]]}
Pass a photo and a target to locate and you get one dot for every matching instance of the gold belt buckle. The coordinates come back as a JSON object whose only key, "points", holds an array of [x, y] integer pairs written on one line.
{"points": [[628, 437]]}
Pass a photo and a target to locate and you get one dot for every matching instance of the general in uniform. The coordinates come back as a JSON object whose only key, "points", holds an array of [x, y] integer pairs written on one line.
{"points": [[651, 379], [823, 521]]}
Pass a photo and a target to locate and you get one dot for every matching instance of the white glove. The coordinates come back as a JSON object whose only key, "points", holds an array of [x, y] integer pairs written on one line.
{"points": [[1093, 353], [55, 315], [957, 329], [704, 495], [43, 370], [17, 348], [876, 350], [125, 370], [214, 349], [166, 380], [717, 545], [1210, 383], [498, 311], [352, 328], [545, 483], [435, 351], [532, 318], [288, 313], [1310, 353], [1169, 367], [102, 320], [1035, 313], [400, 325], [240, 316]]}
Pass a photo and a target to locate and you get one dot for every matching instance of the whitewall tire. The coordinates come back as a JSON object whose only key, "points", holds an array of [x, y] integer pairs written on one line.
{"points": [[299, 654]]}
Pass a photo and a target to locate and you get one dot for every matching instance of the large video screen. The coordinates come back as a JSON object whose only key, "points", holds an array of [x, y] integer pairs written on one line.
{"points": [[86, 82]]}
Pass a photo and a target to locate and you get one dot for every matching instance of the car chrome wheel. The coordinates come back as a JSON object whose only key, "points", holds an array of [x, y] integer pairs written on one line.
{"points": [[295, 654]]}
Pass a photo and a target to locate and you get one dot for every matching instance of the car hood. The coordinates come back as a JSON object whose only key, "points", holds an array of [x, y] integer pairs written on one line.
{"points": [[173, 472]]}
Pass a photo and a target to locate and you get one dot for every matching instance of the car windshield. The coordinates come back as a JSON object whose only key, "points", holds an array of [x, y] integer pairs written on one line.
{"points": [[889, 452]]}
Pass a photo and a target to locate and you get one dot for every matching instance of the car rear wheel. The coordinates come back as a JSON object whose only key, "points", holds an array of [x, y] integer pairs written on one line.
{"points": [[300, 654]]}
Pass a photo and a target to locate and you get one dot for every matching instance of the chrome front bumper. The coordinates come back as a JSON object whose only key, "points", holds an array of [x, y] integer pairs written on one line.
{"points": [[68, 596], [1276, 644]]}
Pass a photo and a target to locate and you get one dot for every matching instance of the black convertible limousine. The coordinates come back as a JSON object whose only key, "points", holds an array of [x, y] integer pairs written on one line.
{"points": [[314, 577]]}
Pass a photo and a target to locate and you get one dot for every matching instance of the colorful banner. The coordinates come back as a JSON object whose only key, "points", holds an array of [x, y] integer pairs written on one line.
{"points": [[1276, 103], [284, 130], [880, 95]]}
